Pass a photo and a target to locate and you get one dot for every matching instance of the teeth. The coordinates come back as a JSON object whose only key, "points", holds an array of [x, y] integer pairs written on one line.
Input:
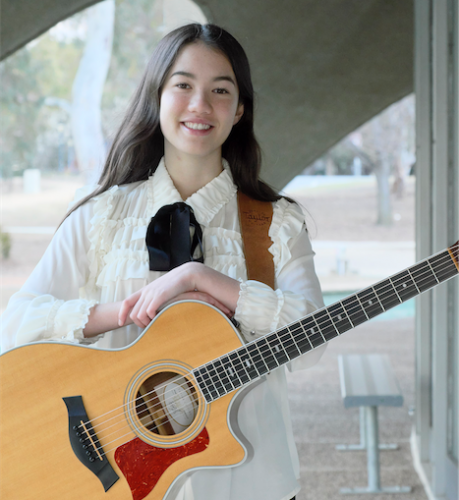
{"points": [[197, 126]]}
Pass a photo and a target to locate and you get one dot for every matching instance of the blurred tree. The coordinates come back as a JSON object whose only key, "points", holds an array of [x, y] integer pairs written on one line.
{"points": [[87, 91], [19, 102], [385, 146], [30, 130], [136, 33]]}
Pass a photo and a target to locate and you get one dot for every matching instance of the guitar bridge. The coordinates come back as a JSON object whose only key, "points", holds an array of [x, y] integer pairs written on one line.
{"points": [[83, 440]]}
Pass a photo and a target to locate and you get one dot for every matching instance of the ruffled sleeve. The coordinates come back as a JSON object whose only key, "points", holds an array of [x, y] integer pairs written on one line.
{"points": [[260, 309], [48, 306]]}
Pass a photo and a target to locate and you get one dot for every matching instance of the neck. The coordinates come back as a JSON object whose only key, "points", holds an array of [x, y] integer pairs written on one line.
{"points": [[189, 174]]}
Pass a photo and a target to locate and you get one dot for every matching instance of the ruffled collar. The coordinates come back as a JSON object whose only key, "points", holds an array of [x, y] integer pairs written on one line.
{"points": [[206, 202]]}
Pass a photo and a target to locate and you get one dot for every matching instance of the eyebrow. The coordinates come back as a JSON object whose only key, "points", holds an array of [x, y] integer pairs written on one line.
{"points": [[216, 79]]}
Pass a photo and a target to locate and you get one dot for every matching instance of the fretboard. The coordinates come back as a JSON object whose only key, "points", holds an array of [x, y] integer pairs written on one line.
{"points": [[253, 360]]}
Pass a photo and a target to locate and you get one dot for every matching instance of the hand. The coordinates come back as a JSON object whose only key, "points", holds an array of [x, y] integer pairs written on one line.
{"points": [[143, 305], [190, 278], [203, 297]]}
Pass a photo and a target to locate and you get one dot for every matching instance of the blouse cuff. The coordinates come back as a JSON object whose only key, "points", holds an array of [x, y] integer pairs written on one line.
{"points": [[258, 308], [69, 321], [261, 310]]}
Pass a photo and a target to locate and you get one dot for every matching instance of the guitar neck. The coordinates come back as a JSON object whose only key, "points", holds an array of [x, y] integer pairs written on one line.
{"points": [[249, 362]]}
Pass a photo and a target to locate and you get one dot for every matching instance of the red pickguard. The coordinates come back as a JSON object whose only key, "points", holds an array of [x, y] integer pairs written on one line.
{"points": [[143, 464]]}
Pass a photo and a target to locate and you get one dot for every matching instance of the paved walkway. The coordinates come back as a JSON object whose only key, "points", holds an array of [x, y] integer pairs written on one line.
{"points": [[321, 422]]}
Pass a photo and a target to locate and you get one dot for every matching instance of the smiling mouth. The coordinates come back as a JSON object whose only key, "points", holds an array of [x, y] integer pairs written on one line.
{"points": [[197, 126]]}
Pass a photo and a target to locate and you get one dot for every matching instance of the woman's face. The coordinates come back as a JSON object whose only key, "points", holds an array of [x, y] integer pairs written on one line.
{"points": [[199, 103]]}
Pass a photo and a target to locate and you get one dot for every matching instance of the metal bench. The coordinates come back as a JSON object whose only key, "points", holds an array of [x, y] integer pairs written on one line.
{"points": [[368, 381]]}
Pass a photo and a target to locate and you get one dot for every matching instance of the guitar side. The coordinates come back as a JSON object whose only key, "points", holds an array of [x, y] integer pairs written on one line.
{"points": [[36, 459]]}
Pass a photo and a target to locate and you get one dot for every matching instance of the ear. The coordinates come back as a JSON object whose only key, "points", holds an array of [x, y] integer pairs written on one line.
{"points": [[239, 113]]}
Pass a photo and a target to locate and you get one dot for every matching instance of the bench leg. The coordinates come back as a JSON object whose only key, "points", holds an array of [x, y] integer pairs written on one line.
{"points": [[372, 435], [372, 441], [363, 445]]}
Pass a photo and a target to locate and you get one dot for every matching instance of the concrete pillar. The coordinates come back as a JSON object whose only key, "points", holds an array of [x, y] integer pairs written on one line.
{"points": [[437, 227]]}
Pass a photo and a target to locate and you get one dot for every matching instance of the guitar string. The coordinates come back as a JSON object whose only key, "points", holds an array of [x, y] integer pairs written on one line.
{"points": [[389, 287], [181, 385], [108, 451], [159, 404]]}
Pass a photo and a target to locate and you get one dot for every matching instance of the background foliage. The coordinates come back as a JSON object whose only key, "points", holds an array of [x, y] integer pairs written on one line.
{"points": [[37, 84]]}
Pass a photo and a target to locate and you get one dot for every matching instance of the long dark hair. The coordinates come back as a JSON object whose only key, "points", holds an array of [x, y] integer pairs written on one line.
{"points": [[139, 143]]}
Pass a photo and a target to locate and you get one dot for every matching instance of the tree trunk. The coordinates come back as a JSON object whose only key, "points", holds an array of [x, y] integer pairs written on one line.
{"points": [[382, 172], [87, 91]]}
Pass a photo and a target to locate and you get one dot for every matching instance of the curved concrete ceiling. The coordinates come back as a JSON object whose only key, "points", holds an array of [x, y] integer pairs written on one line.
{"points": [[320, 68]]}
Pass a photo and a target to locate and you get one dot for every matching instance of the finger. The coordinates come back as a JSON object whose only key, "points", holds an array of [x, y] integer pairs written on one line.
{"points": [[136, 315], [126, 306], [146, 313]]}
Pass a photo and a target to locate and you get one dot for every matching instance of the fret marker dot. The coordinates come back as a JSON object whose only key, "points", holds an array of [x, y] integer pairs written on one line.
{"points": [[370, 302], [340, 317], [231, 371], [247, 362], [312, 330], [277, 348], [404, 285]]}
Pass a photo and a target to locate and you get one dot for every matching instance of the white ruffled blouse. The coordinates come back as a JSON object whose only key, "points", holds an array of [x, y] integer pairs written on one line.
{"points": [[98, 255]]}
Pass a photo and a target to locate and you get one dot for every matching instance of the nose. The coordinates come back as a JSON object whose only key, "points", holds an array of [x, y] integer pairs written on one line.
{"points": [[200, 103]]}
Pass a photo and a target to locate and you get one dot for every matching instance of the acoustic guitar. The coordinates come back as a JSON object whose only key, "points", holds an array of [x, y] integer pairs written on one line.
{"points": [[83, 423]]}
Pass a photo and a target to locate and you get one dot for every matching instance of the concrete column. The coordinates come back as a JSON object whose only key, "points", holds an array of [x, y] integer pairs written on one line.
{"points": [[437, 227]]}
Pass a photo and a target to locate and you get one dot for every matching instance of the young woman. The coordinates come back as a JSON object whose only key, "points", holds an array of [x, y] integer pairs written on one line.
{"points": [[187, 136]]}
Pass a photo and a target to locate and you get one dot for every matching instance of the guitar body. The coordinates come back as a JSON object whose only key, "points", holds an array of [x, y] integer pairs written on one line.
{"points": [[37, 461]]}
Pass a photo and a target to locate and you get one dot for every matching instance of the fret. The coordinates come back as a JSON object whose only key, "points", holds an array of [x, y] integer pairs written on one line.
{"points": [[295, 329], [312, 331], [423, 276], [444, 266], [257, 359], [332, 322], [208, 381], [237, 363], [340, 317], [317, 328], [277, 348], [370, 303], [218, 384], [267, 354], [387, 296], [248, 363], [433, 272], [414, 281], [354, 310], [202, 386], [363, 309], [377, 297], [304, 325], [288, 343], [231, 372], [405, 286], [395, 290], [301, 339], [223, 376], [325, 325]]}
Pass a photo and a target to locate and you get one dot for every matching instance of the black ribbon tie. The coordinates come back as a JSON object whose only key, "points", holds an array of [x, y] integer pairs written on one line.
{"points": [[174, 237]]}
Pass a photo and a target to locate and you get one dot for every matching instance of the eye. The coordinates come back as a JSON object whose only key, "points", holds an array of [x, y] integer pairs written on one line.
{"points": [[221, 91], [183, 85]]}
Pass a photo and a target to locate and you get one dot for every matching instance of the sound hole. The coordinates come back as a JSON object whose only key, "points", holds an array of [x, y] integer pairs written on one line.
{"points": [[166, 403]]}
